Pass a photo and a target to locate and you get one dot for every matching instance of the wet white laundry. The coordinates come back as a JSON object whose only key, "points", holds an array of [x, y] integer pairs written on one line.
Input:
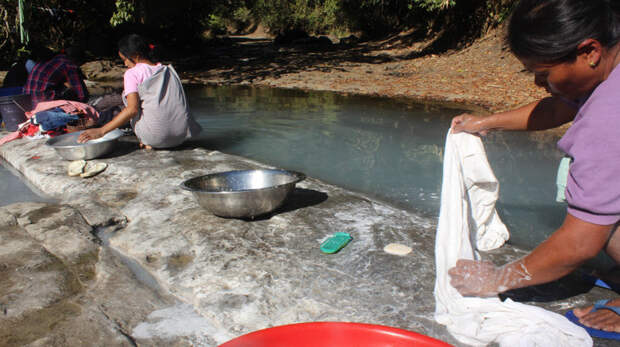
{"points": [[468, 194]]}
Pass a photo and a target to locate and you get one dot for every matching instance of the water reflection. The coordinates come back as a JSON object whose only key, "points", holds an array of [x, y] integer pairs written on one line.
{"points": [[13, 187], [390, 149]]}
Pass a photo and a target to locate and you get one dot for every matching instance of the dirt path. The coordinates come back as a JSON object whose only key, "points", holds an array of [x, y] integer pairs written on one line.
{"points": [[484, 75]]}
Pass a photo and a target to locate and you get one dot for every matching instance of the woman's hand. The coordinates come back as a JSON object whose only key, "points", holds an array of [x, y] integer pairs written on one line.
{"points": [[483, 278], [90, 134], [469, 123], [475, 278]]}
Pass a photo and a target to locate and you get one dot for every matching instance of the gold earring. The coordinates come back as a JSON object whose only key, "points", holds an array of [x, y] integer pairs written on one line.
{"points": [[592, 64]]}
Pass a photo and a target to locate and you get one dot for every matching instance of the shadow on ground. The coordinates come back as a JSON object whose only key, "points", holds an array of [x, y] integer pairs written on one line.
{"points": [[298, 199], [245, 59]]}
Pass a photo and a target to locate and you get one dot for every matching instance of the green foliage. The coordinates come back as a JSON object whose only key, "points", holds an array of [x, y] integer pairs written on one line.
{"points": [[242, 15], [379, 17], [216, 23], [23, 53], [313, 16], [219, 17], [125, 10], [432, 5], [181, 23], [54, 24], [499, 10]]}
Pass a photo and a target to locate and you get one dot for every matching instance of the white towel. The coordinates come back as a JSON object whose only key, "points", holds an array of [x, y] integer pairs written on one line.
{"points": [[468, 194]]}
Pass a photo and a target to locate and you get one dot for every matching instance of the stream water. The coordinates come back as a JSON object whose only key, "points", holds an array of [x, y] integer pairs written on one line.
{"points": [[386, 148], [389, 149], [14, 188]]}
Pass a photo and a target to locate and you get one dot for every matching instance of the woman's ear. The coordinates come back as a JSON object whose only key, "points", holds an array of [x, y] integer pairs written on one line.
{"points": [[590, 51]]}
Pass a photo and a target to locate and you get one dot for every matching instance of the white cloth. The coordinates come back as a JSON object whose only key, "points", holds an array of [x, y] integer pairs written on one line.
{"points": [[468, 195]]}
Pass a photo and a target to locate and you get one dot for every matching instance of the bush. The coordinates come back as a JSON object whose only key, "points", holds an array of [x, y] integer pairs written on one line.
{"points": [[433, 5], [312, 16]]}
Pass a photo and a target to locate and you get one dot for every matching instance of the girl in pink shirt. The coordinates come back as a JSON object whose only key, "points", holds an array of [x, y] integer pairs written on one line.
{"points": [[157, 122]]}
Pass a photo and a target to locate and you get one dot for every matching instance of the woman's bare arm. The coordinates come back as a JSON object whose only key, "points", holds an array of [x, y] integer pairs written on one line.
{"points": [[568, 247], [544, 114], [120, 119]]}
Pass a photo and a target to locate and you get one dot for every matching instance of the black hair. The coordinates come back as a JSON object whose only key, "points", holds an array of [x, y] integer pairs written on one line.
{"points": [[75, 53], [549, 31], [40, 52], [134, 45], [17, 75]]}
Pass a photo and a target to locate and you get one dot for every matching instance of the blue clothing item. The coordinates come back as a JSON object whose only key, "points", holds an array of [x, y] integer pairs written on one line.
{"points": [[53, 119]]}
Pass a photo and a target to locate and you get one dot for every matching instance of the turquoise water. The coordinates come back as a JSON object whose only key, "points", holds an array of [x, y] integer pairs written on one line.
{"points": [[13, 187], [389, 149]]}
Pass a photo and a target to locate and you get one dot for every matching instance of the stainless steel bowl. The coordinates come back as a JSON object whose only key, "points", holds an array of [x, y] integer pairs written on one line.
{"points": [[243, 193], [67, 146]]}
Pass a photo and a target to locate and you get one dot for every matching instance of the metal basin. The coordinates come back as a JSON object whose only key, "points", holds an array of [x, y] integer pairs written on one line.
{"points": [[243, 193], [67, 146]]}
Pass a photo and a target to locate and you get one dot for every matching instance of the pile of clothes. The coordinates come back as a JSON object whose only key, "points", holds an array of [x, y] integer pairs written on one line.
{"points": [[52, 118]]}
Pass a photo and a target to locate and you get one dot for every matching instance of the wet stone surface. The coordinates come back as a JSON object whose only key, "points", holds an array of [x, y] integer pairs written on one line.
{"points": [[129, 258]]}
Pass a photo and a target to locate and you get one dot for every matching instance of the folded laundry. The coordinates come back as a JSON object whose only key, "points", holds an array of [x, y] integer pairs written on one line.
{"points": [[32, 130], [53, 119]]}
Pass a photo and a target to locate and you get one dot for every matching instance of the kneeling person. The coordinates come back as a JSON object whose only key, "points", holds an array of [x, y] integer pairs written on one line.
{"points": [[154, 99]]}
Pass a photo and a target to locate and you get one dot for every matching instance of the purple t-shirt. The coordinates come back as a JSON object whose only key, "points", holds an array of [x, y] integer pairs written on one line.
{"points": [[593, 142]]}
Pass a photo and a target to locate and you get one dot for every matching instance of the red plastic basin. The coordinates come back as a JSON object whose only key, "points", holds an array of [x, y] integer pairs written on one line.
{"points": [[333, 334]]}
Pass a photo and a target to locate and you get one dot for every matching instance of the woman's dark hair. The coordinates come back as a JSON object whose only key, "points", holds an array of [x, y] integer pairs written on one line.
{"points": [[17, 75], [549, 31], [40, 53], [134, 45]]}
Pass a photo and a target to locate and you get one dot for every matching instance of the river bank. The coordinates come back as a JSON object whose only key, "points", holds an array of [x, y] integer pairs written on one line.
{"points": [[127, 258], [483, 76]]}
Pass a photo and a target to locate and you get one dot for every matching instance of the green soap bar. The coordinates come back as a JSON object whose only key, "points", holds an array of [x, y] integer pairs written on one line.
{"points": [[335, 242]]}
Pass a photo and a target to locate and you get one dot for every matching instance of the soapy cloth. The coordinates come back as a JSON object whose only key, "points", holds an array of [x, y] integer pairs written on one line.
{"points": [[468, 194]]}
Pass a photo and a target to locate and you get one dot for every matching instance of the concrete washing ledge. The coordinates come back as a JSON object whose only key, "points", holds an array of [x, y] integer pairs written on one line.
{"points": [[129, 258]]}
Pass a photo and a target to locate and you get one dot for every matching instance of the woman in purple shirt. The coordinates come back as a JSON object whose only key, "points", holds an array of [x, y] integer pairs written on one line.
{"points": [[573, 49]]}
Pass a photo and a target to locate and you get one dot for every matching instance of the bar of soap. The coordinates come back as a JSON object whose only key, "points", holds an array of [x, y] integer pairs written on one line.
{"points": [[397, 249]]}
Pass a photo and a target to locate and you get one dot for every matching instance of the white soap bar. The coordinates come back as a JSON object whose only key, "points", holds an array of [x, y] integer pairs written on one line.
{"points": [[397, 249]]}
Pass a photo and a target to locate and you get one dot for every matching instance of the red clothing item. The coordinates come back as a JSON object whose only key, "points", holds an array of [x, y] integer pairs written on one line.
{"points": [[47, 81], [29, 129]]}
